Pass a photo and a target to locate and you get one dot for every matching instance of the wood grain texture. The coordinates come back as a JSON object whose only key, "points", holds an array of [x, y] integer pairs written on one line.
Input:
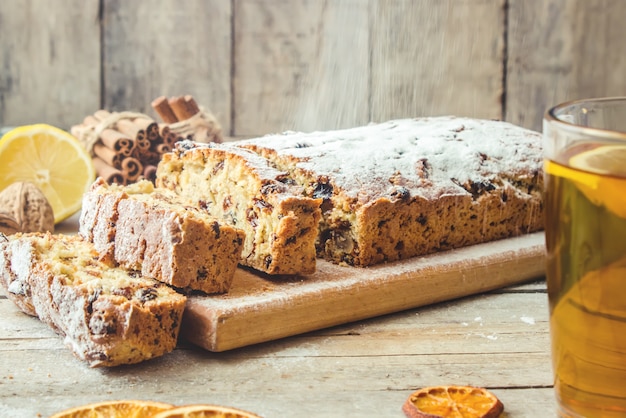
{"points": [[165, 47], [300, 65], [271, 65], [562, 50], [437, 58], [49, 61], [497, 340], [258, 309]]}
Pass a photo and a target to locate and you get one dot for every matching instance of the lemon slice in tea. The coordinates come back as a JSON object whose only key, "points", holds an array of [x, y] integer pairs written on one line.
{"points": [[52, 159], [605, 159], [452, 402], [600, 174]]}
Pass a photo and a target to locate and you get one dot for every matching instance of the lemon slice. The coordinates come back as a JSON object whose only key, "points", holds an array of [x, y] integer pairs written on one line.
{"points": [[52, 159], [605, 159], [590, 171]]}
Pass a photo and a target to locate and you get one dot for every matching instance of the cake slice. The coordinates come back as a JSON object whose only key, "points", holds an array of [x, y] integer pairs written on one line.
{"points": [[244, 190], [410, 187], [107, 315], [150, 230]]}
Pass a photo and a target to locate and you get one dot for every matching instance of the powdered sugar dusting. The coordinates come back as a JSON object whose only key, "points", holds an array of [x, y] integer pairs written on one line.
{"points": [[261, 167], [414, 153]]}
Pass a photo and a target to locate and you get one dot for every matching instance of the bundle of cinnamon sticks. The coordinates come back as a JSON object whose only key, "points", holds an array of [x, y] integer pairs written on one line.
{"points": [[127, 146]]}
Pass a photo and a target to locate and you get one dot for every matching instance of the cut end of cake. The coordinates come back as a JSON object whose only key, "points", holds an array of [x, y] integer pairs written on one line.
{"points": [[108, 316], [151, 230], [243, 189]]}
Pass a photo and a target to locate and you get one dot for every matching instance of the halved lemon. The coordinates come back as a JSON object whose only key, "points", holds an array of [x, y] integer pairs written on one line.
{"points": [[52, 159], [600, 174], [452, 402], [115, 409], [205, 411]]}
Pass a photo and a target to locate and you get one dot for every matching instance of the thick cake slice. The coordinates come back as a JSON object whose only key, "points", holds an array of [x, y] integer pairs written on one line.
{"points": [[410, 187], [150, 230], [242, 189], [107, 315]]}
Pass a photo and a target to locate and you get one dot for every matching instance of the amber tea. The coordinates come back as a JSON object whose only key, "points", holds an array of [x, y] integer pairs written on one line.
{"points": [[586, 273]]}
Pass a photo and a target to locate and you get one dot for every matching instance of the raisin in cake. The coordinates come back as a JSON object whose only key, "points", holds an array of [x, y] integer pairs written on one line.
{"points": [[107, 316], [244, 190], [147, 229], [411, 187]]}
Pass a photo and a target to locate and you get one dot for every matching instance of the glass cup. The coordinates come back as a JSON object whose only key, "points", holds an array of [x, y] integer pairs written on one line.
{"points": [[585, 226]]}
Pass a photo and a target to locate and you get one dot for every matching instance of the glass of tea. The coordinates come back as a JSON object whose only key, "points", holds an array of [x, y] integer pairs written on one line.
{"points": [[585, 225]]}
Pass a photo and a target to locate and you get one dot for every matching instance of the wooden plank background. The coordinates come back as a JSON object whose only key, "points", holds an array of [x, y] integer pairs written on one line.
{"points": [[265, 66]]}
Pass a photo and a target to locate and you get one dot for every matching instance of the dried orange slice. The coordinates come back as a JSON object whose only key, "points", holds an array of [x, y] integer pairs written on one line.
{"points": [[116, 409], [452, 402], [205, 411]]}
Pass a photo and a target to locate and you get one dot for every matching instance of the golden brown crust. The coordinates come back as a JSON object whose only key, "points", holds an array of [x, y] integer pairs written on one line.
{"points": [[107, 316], [151, 231], [412, 187], [242, 189]]}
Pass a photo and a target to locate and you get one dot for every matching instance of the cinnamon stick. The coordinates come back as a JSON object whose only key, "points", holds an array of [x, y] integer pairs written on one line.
{"points": [[163, 109], [192, 106], [143, 144], [164, 130], [110, 174], [132, 168], [109, 156], [117, 141], [171, 138], [151, 128], [128, 128], [112, 138], [181, 108], [163, 148]]}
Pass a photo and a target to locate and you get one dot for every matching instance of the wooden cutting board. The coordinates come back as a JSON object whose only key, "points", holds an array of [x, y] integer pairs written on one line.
{"points": [[260, 308]]}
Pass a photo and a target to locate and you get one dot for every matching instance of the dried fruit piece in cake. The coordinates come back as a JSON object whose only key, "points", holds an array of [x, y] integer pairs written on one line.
{"points": [[243, 189], [452, 402], [149, 230], [410, 187], [107, 315]]}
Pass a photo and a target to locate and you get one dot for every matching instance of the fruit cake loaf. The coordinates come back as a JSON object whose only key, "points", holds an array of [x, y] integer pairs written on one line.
{"points": [[241, 188], [148, 229], [107, 315], [415, 186]]}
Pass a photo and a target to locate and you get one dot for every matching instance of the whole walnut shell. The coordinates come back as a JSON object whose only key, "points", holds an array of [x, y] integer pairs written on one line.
{"points": [[29, 206], [8, 224]]}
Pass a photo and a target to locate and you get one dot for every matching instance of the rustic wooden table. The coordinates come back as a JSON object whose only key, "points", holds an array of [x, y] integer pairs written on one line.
{"points": [[497, 340]]}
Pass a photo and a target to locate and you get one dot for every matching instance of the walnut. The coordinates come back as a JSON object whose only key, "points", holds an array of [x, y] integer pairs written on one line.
{"points": [[28, 206], [8, 224]]}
